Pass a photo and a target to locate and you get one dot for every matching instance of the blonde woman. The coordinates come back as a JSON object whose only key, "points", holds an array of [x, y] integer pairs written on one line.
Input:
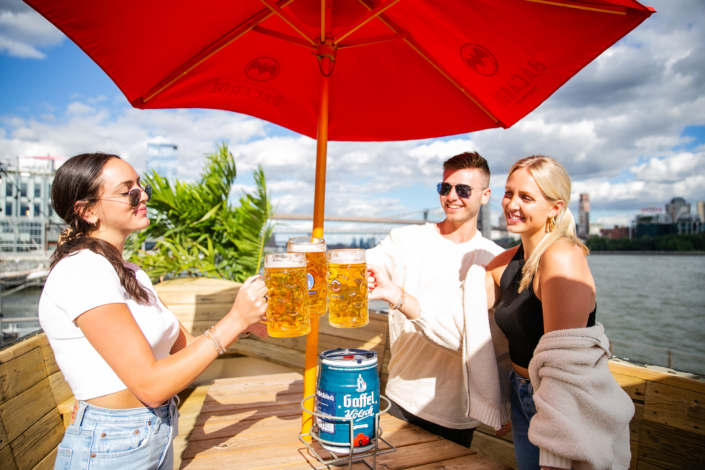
{"points": [[544, 296]]}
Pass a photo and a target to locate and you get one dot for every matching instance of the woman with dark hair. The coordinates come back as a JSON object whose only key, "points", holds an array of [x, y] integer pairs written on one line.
{"points": [[122, 352]]}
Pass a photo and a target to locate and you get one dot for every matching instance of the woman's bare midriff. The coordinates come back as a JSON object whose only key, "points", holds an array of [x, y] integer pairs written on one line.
{"points": [[523, 371], [121, 400]]}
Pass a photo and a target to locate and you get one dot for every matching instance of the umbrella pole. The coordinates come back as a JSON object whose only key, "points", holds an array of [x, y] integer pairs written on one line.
{"points": [[310, 371]]}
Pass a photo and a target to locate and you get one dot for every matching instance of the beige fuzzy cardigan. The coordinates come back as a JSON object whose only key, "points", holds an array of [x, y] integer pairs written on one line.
{"points": [[583, 415]]}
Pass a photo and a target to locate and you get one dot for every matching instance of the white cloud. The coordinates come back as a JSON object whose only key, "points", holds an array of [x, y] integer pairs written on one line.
{"points": [[617, 127], [24, 33], [82, 128]]}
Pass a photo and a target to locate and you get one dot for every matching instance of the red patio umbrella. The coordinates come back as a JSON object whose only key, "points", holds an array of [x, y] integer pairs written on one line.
{"points": [[356, 70]]}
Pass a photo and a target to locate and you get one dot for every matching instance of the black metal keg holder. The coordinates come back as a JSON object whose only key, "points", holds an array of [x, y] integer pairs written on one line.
{"points": [[352, 456]]}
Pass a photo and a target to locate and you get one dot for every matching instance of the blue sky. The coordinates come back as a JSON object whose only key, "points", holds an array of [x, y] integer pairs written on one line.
{"points": [[629, 149]]}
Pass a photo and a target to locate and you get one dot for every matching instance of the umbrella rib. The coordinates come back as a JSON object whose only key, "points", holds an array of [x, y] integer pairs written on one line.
{"points": [[207, 53], [615, 10], [290, 20], [372, 14], [282, 36], [374, 40], [415, 46]]}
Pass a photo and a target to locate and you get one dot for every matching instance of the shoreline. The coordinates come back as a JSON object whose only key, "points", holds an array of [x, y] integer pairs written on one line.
{"points": [[658, 253]]}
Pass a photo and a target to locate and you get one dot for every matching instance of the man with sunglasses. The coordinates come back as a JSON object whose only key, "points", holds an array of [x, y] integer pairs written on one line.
{"points": [[431, 261]]}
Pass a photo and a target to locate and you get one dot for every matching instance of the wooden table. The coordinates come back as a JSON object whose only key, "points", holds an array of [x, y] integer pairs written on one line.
{"points": [[254, 422]]}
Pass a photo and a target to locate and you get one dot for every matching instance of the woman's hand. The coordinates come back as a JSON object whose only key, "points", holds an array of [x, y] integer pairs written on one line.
{"points": [[506, 427], [250, 303], [260, 329], [380, 286]]}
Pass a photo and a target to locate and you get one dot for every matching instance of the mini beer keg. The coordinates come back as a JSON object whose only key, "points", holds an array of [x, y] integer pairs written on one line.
{"points": [[348, 386]]}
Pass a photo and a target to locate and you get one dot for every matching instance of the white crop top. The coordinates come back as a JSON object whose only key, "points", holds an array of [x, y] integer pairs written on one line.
{"points": [[79, 283]]}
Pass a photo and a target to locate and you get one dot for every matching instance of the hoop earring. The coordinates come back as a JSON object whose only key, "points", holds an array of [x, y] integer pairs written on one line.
{"points": [[551, 224]]}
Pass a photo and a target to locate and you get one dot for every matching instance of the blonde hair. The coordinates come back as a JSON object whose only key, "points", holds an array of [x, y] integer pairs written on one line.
{"points": [[554, 183]]}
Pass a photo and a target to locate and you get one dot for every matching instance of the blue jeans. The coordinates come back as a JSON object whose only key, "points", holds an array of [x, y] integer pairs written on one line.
{"points": [[106, 439], [523, 409]]}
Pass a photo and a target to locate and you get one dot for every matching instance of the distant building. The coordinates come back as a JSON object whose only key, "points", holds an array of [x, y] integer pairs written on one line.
{"points": [[163, 159], [584, 216], [676, 207], [701, 210], [27, 220], [689, 224], [615, 233], [502, 222], [483, 222]]}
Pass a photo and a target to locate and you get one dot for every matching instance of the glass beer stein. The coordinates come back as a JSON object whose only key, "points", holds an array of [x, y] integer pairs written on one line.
{"points": [[347, 288], [287, 309], [315, 251]]}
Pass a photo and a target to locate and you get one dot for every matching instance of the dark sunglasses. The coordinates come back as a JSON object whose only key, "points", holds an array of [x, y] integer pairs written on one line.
{"points": [[462, 190], [135, 195]]}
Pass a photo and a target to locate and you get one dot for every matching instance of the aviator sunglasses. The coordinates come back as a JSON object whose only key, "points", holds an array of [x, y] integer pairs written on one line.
{"points": [[135, 195], [462, 190]]}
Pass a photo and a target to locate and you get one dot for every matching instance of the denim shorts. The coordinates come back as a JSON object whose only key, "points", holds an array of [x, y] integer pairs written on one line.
{"points": [[106, 439]]}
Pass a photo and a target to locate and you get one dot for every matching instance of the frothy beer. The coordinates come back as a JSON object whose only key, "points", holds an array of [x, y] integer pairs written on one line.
{"points": [[287, 310], [347, 288], [316, 267]]}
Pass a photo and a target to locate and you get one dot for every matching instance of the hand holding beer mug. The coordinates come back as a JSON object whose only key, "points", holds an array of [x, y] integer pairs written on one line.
{"points": [[287, 310], [315, 250], [347, 288]]}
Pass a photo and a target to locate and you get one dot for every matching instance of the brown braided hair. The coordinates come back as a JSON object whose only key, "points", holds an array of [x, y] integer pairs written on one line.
{"points": [[79, 180]]}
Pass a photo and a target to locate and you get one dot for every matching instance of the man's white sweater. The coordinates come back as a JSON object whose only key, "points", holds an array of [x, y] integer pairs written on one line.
{"points": [[425, 379]]}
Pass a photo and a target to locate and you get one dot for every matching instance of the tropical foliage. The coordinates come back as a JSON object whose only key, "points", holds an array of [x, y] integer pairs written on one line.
{"points": [[198, 232]]}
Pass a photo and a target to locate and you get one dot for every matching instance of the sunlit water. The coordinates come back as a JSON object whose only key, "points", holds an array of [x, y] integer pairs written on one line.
{"points": [[656, 301], [651, 300]]}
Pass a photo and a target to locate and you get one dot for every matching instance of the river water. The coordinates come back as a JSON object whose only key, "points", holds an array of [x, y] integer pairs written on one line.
{"points": [[651, 300]]}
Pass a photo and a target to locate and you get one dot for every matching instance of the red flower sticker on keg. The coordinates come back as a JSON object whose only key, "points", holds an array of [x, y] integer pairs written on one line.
{"points": [[479, 59], [262, 69]]}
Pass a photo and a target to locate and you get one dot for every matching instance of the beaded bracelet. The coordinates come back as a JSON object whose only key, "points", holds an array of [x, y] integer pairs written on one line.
{"points": [[401, 301], [212, 335]]}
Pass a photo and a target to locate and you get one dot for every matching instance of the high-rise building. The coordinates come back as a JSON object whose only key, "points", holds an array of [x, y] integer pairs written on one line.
{"points": [[677, 207], [701, 210], [584, 216], [164, 159], [483, 222]]}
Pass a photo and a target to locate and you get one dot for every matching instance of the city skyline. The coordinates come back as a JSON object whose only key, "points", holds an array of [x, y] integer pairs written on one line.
{"points": [[629, 128]]}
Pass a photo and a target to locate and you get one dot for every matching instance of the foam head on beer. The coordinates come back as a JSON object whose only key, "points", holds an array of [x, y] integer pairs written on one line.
{"points": [[350, 256], [285, 260], [306, 245]]}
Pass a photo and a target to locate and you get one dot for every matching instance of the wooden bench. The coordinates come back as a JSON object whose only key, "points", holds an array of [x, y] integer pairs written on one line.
{"points": [[32, 394]]}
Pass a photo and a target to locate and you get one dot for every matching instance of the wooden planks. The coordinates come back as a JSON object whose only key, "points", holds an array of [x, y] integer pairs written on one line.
{"points": [[21, 412], [657, 376], [3, 437], [495, 448], [675, 407], [669, 448], [20, 373], [251, 425], [38, 441]]}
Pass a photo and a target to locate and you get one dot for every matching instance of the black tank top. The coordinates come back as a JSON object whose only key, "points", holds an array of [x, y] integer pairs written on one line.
{"points": [[520, 316]]}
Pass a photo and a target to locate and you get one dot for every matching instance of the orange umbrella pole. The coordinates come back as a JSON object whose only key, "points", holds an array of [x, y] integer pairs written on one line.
{"points": [[310, 372]]}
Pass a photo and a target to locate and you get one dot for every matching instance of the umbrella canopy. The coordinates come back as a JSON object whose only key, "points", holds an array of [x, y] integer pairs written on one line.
{"points": [[357, 70], [404, 69]]}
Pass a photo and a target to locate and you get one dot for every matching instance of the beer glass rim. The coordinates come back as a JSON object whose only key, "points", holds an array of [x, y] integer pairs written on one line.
{"points": [[285, 260], [351, 252], [306, 245]]}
